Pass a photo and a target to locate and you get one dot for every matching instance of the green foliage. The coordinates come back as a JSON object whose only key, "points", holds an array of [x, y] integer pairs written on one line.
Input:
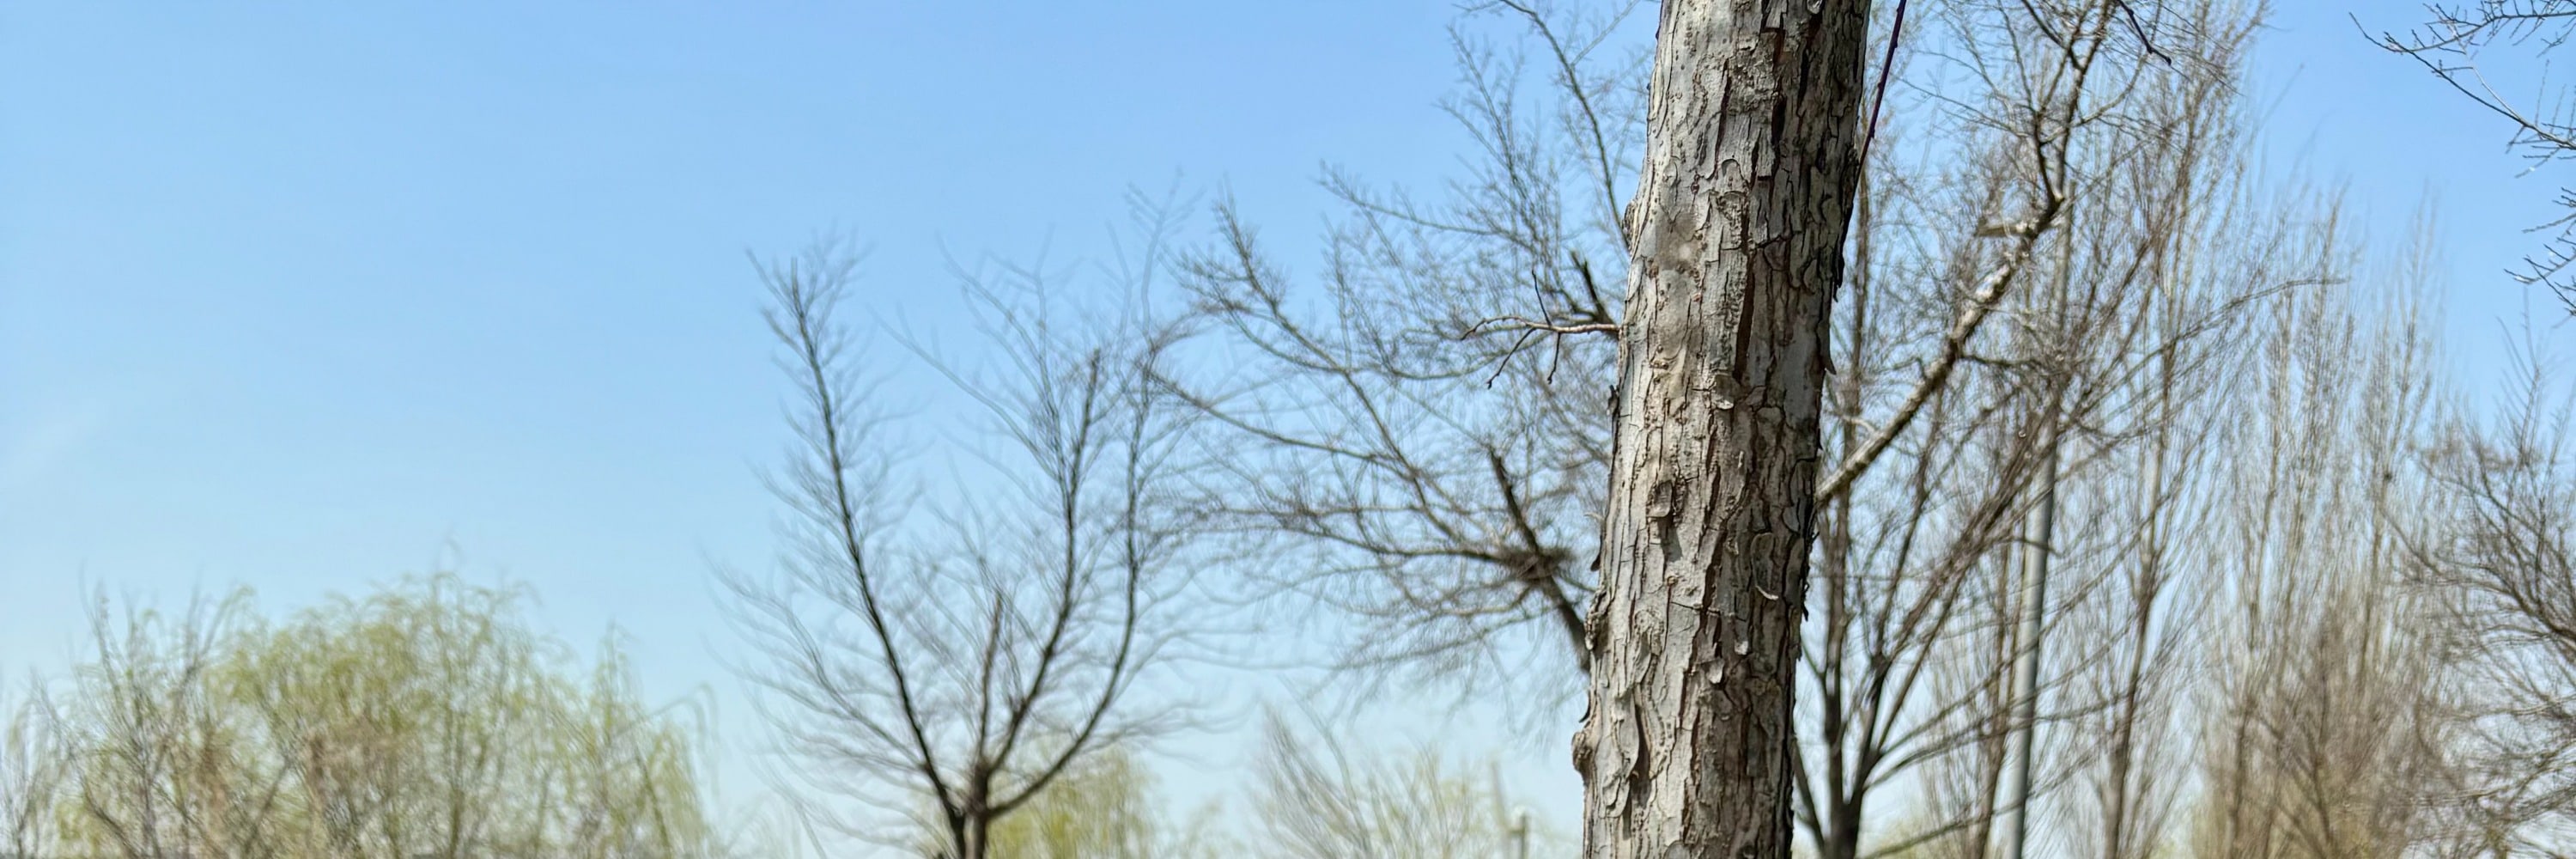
{"points": [[1104, 808], [1317, 799], [31, 765], [426, 720]]}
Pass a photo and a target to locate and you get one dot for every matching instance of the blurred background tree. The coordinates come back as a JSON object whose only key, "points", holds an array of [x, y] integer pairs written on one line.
{"points": [[426, 720]]}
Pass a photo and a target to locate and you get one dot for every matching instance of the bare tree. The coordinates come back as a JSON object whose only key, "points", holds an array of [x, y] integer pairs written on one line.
{"points": [[1423, 453], [2500, 569], [2497, 567], [2057, 256], [2051, 190], [1474, 323], [953, 678], [2324, 716]]}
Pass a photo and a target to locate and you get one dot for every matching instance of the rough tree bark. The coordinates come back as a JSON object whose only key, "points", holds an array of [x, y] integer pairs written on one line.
{"points": [[1752, 161]]}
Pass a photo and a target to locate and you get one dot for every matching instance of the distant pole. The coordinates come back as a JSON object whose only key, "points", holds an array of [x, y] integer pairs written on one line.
{"points": [[2039, 542], [2034, 617], [1520, 834]]}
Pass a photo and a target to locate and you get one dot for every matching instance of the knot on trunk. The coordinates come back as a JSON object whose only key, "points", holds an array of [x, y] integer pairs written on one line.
{"points": [[1534, 567]]}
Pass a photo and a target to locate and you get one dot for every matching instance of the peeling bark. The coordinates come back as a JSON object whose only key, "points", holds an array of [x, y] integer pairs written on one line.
{"points": [[1739, 220]]}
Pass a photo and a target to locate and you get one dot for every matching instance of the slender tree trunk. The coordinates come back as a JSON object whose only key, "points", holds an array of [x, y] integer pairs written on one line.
{"points": [[1742, 205], [2122, 812]]}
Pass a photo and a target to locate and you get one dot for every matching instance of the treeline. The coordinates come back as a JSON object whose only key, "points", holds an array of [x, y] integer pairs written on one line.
{"points": [[430, 719], [423, 720], [2146, 523]]}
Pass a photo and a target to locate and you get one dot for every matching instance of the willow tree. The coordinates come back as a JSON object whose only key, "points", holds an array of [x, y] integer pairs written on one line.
{"points": [[426, 720], [32, 771], [1109, 806], [1752, 164], [1318, 795]]}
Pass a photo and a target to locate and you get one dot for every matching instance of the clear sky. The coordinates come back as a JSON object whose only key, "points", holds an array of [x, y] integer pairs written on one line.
{"points": [[299, 295]]}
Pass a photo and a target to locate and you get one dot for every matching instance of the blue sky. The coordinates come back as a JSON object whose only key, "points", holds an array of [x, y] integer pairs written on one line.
{"points": [[301, 295]]}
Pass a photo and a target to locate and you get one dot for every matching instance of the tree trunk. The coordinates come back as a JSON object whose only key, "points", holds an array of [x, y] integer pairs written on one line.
{"points": [[1751, 165]]}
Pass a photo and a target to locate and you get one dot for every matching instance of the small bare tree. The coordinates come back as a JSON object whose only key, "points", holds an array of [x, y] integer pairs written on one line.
{"points": [[2323, 714], [2501, 570], [1423, 453], [952, 678]]}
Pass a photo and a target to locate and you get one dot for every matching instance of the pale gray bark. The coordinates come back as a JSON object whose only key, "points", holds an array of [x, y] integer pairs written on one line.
{"points": [[2034, 630], [1742, 205]]}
